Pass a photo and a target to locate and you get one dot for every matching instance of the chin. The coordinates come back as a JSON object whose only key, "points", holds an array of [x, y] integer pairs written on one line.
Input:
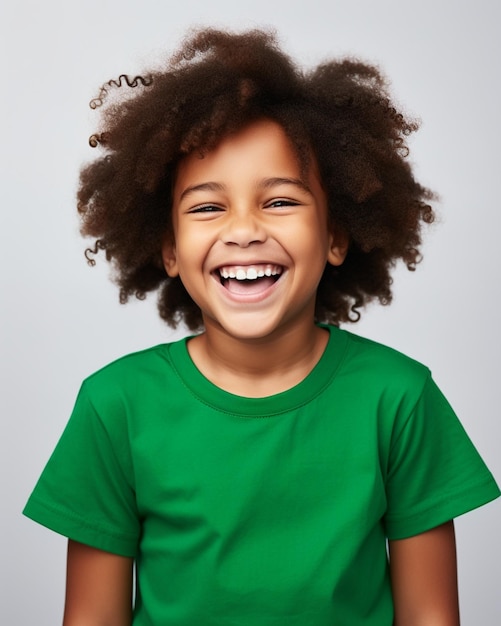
{"points": [[247, 328]]}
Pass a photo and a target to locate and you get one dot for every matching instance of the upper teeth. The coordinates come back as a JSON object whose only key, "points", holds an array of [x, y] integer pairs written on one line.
{"points": [[249, 273]]}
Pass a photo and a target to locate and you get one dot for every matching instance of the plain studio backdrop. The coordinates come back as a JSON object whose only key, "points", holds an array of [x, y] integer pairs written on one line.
{"points": [[61, 319]]}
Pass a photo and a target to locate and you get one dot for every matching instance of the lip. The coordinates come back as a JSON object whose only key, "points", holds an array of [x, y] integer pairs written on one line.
{"points": [[240, 298], [246, 263]]}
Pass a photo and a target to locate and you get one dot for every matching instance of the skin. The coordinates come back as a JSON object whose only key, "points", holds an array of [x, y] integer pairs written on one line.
{"points": [[246, 205], [98, 588], [424, 578]]}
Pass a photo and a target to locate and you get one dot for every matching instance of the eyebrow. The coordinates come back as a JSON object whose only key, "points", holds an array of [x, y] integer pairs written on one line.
{"points": [[267, 183], [201, 187]]}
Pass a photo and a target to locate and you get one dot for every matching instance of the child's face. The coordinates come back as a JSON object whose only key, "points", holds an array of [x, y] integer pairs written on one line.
{"points": [[251, 235]]}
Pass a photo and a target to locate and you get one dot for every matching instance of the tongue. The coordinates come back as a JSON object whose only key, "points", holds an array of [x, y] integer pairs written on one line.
{"points": [[249, 287]]}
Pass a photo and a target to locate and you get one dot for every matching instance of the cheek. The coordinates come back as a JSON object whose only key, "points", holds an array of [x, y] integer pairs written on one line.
{"points": [[192, 249], [310, 237]]}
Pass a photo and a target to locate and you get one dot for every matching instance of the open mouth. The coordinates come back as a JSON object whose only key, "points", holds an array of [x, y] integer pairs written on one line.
{"points": [[249, 279]]}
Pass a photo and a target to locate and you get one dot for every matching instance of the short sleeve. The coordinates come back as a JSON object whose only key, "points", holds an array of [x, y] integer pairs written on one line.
{"points": [[435, 473], [86, 491]]}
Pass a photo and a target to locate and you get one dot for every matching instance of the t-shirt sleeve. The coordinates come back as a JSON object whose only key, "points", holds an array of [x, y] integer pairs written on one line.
{"points": [[86, 491], [435, 473]]}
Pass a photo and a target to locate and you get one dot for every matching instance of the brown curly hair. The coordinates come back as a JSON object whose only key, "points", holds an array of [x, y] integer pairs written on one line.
{"points": [[216, 84]]}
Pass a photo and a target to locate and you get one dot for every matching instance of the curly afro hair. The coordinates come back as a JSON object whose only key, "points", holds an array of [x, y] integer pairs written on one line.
{"points": [[216, 84]]}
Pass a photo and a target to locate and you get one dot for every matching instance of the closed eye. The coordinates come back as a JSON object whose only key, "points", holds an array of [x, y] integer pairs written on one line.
{"points": [[206, 208], [281, 202]]}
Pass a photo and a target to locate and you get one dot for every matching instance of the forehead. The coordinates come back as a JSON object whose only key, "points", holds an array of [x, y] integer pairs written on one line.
{"points": [[259, 150]]}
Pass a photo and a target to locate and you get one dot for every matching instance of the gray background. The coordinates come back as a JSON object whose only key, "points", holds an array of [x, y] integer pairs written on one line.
{"points": [[61, 320]]}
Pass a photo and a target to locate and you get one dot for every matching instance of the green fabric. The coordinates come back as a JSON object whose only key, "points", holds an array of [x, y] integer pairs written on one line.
{"points": [[270, 511]]}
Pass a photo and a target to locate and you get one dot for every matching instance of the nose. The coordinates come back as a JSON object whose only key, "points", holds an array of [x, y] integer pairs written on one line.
{"points": [[243, 228]]}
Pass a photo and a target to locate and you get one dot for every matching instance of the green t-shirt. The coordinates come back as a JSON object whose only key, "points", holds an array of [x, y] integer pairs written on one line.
{"points": [[260, 511]]}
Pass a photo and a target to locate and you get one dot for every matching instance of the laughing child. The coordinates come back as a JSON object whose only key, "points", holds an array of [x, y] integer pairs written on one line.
{"points": [[271, 469]]}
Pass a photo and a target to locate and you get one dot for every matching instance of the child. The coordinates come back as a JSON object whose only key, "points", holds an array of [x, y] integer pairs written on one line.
{"points": [[255, 471]]}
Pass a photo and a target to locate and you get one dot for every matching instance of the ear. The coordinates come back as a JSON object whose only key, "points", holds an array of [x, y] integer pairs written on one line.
{"points": [[339, 242], [169, 257]]}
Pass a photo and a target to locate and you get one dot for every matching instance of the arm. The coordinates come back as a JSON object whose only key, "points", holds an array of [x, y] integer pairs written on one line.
{"points": [[98, 588], [424, 578]]}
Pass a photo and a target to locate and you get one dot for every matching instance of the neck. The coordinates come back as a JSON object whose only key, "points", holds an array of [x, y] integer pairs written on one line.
{"points": [[258, 367]]}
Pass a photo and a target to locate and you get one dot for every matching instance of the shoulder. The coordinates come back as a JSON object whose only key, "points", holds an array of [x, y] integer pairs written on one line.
{"points": [[133, 375], [130, 365], [371, 371], [372, 357]]}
